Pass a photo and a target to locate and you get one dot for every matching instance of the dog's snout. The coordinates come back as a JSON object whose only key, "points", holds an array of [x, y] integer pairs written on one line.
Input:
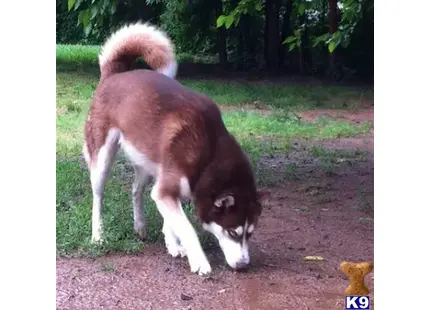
{"points": [[242, 265]]}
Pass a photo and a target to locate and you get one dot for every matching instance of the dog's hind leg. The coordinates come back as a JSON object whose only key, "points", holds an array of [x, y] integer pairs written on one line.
{"points": [[99, 171], [141, 178]]}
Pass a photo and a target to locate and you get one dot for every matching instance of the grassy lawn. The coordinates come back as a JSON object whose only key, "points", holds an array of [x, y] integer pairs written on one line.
{"points": [[259, 133], [72, 57]]}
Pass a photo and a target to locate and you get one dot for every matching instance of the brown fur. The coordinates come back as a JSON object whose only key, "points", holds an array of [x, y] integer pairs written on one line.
{"points": [[184, 132], [179, 130]]}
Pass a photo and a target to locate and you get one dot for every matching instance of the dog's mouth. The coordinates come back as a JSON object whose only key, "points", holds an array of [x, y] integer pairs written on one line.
{"points": [[242, 268]]}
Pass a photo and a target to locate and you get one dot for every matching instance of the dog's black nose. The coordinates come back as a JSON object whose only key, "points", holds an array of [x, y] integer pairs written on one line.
{"points": [[241, 265]]}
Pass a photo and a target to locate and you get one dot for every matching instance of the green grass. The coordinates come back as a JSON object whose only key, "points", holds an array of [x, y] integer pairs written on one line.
{"points": [[85, 57], [78, 53], [283, 96], [259, 134], [73, 209], [319, 151], [252, 123]]}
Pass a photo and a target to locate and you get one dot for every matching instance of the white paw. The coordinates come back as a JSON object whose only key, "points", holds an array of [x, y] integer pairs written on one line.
{"points": [[200, 266], [175, 249], [96, 240]]}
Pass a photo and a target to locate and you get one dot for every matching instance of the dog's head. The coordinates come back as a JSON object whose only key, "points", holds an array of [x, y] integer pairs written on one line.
{"points": [[232, 219]]}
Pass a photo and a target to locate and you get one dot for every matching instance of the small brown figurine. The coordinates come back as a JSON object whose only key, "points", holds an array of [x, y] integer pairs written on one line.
{"points": [[356, 273]]}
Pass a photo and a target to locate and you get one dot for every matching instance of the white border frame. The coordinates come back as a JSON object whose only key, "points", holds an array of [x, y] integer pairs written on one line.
{"points": [[27, 222], [402, 135]]}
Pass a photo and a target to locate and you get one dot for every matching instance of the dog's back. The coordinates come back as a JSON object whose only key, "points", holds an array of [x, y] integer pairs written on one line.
{"points": [[158, 116]]}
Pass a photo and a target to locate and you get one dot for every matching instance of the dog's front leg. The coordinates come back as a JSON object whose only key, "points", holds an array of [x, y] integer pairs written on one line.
{"points": [[173, 245], [176, 220]]}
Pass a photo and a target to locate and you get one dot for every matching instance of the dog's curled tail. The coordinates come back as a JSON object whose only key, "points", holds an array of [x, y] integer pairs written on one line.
{"points": [[128, 43]]}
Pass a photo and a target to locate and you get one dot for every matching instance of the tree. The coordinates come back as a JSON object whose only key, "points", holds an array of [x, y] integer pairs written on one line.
{"points": [[221, 37], [271, 35], [286, 29], [313, 36], [332, 29]]}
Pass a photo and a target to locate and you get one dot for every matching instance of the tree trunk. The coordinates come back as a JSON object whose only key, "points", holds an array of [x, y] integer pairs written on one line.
{"points": [[304, 50], [240, 48], [221, 37], [271, 35], [332, 28], [286, 31]]}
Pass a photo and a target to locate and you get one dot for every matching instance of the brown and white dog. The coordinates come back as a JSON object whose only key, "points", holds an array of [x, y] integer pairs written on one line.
{"points": [[176, 136]]}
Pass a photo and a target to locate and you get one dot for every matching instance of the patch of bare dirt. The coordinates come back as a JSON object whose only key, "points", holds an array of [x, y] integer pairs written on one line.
{"points": [[365, 114], [257, 107], [315, 212], [359, 116], [365, 143]]}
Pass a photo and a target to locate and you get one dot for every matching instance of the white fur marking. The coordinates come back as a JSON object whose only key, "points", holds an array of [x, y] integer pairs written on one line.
{"points": [[173, 245], [86, 154], [184, 187], [250, 228], [236, 253], [170, 70], [141, 178], [147, 31], [226, 201], [239, 230], [96, 222], [176, 220], [99, 173], [138, 158]]}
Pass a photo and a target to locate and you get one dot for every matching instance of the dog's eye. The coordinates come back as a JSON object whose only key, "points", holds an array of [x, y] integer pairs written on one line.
{"points": [[232, 233], [248, 235]]}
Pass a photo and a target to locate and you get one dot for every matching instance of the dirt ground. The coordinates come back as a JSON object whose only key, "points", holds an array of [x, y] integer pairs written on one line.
{"points": [[315, 213]]}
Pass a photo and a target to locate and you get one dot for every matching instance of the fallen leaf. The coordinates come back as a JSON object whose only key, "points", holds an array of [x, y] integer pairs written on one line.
{"points": [[186, 297], [365, 220], [303, 209], [313, 258]]}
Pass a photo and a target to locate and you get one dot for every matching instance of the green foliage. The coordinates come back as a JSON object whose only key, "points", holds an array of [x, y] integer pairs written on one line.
{"points": [[351, 13], [302, 6], [196, 34], [196, 27], [295, 40], [244, 7], [68, 29], [93, 13], [225, 20]]}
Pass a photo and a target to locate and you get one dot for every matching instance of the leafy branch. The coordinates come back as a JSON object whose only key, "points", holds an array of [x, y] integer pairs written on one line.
{"points": [[244, 7], [92, 12]]}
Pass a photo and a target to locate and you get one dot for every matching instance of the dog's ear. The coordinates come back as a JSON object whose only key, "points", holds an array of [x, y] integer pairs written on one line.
{"points": [[225, 201]]}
